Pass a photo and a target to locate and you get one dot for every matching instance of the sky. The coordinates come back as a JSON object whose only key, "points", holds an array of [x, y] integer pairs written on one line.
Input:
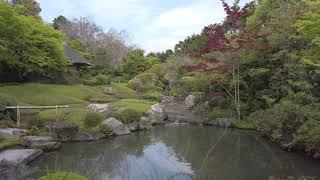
{"points": [[153, 25]]}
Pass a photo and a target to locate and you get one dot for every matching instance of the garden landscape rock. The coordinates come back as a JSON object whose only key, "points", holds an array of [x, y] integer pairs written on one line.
{"points": [[20, 156], [12, 133], [41, 142], [190, 101], [63, 131], [88, 136], [117, 126], [14, 171], [101, 108], [157, 113]]}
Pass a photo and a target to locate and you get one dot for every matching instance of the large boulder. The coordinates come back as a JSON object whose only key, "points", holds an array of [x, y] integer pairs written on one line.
{"points": [[88, 136], [63, 131], [101, 108], [225, 122], [41, 142], [144, 123], [117, 126], [12, 133], [134, 126], [157, 114], [190, 101], [108, 89], [14, 171], [20, 156]]}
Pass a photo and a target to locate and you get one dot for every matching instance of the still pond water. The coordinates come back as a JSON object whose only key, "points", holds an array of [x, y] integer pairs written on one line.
{"points": [[179, 153]]}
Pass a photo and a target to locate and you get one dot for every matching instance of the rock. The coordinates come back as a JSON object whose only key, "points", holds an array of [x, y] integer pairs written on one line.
{"points": [[167, 99], [20, 156], [41, 142], [190, 101], [117, 126], [63, 131], [108, 89], [225, 122], [134, 126], [144, 123], [12, 133], [14, 171], [101, 108], [88, 136], [157, 114]]}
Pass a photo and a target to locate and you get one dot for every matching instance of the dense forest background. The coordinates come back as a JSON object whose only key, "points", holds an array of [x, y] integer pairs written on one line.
{"points": [[261, 65]]}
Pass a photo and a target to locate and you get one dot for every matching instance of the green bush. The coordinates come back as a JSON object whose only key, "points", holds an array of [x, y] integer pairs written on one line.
{"points": [[148, 78], [158, 69], [62, 176], [150, 87], [100, 79], [92, 119], [307, 138], [127, 115], [106, 130], [281, 121], [5, 114], [154, 96]]}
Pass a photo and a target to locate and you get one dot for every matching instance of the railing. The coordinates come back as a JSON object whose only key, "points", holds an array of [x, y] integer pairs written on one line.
{"points": [[33, 107]]}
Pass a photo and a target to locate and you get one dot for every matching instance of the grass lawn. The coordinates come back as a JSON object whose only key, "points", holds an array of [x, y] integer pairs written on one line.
{"points": [[139, 105], [76, 96], [4, 144], [120, 90], [52, 94]]}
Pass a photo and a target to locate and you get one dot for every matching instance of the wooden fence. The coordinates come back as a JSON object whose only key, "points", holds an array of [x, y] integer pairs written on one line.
{"points": [[19, 108]]}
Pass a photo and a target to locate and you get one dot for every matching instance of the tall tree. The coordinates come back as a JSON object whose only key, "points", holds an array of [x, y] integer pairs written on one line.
{"points": [[30, 7], [27, 45], [228, 39], [59, 22]]}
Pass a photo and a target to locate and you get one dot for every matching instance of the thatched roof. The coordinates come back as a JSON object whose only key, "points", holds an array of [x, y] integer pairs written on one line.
{"points": [[75, 57]]}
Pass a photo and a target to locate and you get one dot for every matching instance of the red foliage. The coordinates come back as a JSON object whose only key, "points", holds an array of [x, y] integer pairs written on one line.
{"points": [[229, 36]]}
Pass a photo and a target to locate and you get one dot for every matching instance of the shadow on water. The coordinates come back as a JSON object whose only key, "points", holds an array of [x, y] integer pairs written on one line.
{"points": [[178, 153]]}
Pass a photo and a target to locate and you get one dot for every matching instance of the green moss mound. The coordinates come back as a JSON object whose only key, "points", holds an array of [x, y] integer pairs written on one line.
{"points": [[62, 176]]}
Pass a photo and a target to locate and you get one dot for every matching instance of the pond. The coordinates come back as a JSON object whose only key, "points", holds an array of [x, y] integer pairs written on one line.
{"points": [[179, 153]]}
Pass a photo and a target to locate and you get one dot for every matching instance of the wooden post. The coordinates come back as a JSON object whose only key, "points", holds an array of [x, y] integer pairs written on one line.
{"points": [[18, 116], [56, 112]]}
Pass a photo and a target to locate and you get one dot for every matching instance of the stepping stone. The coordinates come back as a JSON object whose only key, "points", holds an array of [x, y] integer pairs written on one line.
{"points": [[20, 156], [10, 133], [44, 143]]}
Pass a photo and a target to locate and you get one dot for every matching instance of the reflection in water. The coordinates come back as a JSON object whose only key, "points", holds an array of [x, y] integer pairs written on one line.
{"points": [[178, 153]]}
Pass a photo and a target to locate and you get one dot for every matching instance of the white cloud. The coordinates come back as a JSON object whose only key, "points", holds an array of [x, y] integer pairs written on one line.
{"points": [[155, 26], [176, 24]]}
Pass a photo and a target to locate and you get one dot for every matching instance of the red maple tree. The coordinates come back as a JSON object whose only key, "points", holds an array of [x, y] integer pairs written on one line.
{"points": [[227, 38]]}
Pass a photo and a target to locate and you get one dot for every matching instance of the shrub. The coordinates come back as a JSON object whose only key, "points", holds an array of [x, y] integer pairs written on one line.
{"points": [[92, 119], [62, 176], [307, 138], [100, 79], [106, 130], [148, 78], [157, 69], [282, 119], [150, 87], [127, 115], [154, 96], [5, 114]]}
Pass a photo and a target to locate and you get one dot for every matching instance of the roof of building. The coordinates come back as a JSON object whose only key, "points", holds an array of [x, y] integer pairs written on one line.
{"points": [[75, 57]]}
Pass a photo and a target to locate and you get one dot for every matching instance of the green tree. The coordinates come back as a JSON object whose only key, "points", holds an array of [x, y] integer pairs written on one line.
{"points": [[59, 21], [309, 29], [30, 7], [136, 63], [27, 45]]}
